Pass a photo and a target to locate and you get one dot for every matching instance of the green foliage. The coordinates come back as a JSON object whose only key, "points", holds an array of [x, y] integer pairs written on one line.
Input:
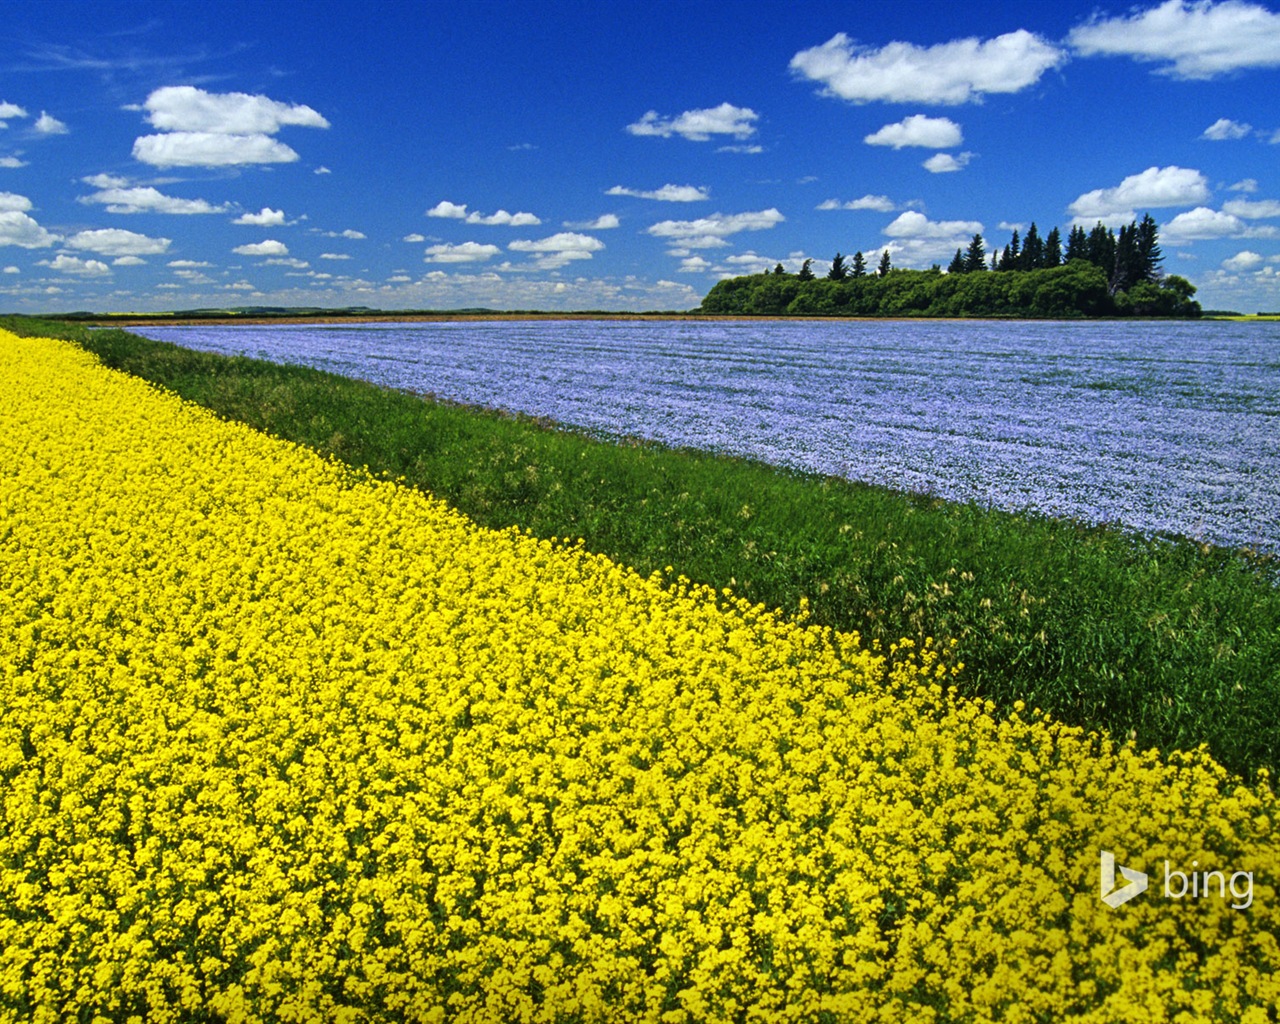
{"points": [[1076, 289], [1173, 641]]}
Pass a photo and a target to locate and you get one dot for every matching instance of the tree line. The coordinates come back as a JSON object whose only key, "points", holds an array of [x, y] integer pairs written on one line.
{"points": [[1097, 273]]}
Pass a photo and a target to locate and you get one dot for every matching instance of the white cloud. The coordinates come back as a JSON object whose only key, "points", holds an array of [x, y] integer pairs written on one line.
{"points": [[189, 263], [694, 265], [118, 242], [699, 125], [753, 148], [912, 224], [322, 170], [210, 149], [267, 247], [1190, 38], [710, 232], [334, 256], [415, 237], [1246, 186], [17, 228], [205, 129], [47, 124], [943, 163], [918, 130], [458, 211], [266, 218], [505, 219], [146, 200], [881, 204], [1154, 187], [13, 201], [961, 71], [666, 194], [1224, 128], [12, 270], [1252, 209], [464, 252], [601, 223], [558, 249], [1244, 260], [1201, 223], [444, 208], [184, 108], [128, 261], [8, 111], [65, 264], [12, 161]]}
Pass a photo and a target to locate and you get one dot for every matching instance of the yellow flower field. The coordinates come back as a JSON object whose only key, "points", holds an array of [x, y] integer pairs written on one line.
{"points": [[279, 741]]}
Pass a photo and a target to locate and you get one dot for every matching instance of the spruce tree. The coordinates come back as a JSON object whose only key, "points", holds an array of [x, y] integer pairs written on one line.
{"points": [[859, 264], [1148, 245], [838, 271], [806, 273], [1012, 256], [957, 263], [1100, 250], [1053, 248], [975, 259], [1032, 250], [1077, 245], [885, 265]]}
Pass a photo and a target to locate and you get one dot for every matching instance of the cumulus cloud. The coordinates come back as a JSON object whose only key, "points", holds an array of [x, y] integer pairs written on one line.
{"points": [[12, 161], [18, 228], [666, 194], [912, 224], [464, 252], [558, 249], [118, 242], [203, 129], [944, 163], [8, 111], [1247, 185], [961, 71], [1224, 128], [267, 247], [128, 261], [699, 125], [1252, 209], [13, 201], [710, 232], [47, 124], [458, 211], [601, 223], [1244, 260], [1154, 187], [334, 256], [918, 130], [414, 237], [142, 199], [1201, 223], [265, 218], [184, 108], [881, 204], [210, 149], [65, 264], [1188, 38]]}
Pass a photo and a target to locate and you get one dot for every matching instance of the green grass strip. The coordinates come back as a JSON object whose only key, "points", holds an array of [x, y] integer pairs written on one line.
{"points": [[1167, 641]]}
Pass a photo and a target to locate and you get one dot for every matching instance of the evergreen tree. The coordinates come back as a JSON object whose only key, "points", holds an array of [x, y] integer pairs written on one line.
{"points": [[885, 265], [1032, 250], [1012, 255], [1077, 245], [1148, 246], [806, 273], [859, 264], [957, 263], [1053, 248], [1100, 250], [778, 271], [838, 271], [975, 259], [1126, 267]]}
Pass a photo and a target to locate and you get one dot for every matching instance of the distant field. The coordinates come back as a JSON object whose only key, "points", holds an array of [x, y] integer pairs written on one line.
{"points": [[1172, 642]]}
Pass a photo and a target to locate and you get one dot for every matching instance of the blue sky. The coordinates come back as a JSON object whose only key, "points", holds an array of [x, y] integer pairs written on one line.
{"points": [[613, 156]]}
